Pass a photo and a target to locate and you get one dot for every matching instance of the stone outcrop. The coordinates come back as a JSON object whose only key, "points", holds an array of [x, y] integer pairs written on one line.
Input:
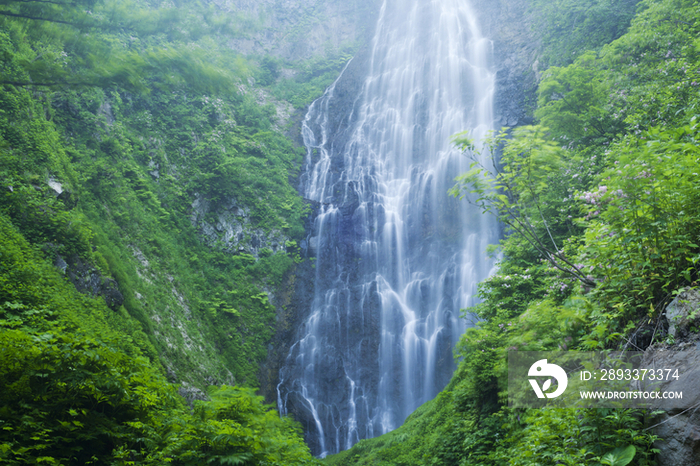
{"points": [[683, 314], [679, 426], [88, 280], [228, 227], [191, 394], [297, 29], [515, 53], [61, 192]]}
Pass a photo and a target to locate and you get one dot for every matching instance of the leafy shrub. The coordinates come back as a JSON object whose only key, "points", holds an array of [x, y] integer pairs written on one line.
{"points": [[642, 239]]}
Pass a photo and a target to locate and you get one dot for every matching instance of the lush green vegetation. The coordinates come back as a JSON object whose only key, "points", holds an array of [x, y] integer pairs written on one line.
{"points": [[569, 27], [107, 145], [126, 130], [80, 385], [311, 77], [600, 203]]}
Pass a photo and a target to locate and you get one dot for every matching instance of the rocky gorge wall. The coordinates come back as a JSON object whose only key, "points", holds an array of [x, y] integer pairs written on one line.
{"points": [[678, 427], [299, 30], [515, 54]]}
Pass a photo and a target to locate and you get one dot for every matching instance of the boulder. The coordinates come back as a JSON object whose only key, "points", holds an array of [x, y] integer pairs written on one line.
{"points": [[88, 280], [683, 314], [678, 427]]}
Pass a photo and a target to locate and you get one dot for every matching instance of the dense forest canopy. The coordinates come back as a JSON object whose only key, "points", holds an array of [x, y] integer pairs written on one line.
{"points": [[150, 231]]}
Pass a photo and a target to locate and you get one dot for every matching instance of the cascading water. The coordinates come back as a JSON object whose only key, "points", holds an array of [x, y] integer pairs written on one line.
{"points": [[396, 256]]}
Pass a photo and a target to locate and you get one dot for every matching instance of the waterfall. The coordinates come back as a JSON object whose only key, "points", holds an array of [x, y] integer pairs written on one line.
{"points": [[396, 256]]}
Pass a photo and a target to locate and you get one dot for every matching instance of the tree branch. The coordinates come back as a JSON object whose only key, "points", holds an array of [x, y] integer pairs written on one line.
{"points": [[45, 1], [38, 18], [47, 84], [69, 23], [537, 204], [526, 230]]}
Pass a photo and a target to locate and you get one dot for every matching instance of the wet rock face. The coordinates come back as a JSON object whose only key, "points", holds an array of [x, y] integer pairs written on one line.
{"points": [[294, 297], [678, 427], [515, 52], [683, 314], [88, 280], [228, 227]]}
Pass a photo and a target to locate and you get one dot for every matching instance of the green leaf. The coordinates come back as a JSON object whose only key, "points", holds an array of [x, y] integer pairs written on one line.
{"points": [[620, 456]]}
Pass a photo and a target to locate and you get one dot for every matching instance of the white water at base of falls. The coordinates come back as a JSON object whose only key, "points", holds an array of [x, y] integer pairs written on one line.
{"points": [[396, 257]]}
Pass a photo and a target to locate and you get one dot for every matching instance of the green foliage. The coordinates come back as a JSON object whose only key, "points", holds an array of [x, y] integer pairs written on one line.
{"points": [[235, 427], [506, 294], [571, 104], [71, 399], [516, 189], [656, 67], [312, 77], [566, 436], [642, 239], [620, 456], [106, 43], [268, 71], [569, 27]]}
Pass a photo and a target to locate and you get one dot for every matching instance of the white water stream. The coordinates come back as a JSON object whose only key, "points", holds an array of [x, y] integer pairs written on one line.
{"points": [[396, 257]]}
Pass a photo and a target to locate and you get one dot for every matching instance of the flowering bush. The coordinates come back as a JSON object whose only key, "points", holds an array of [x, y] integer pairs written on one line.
{"points": [[642, 241]]}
